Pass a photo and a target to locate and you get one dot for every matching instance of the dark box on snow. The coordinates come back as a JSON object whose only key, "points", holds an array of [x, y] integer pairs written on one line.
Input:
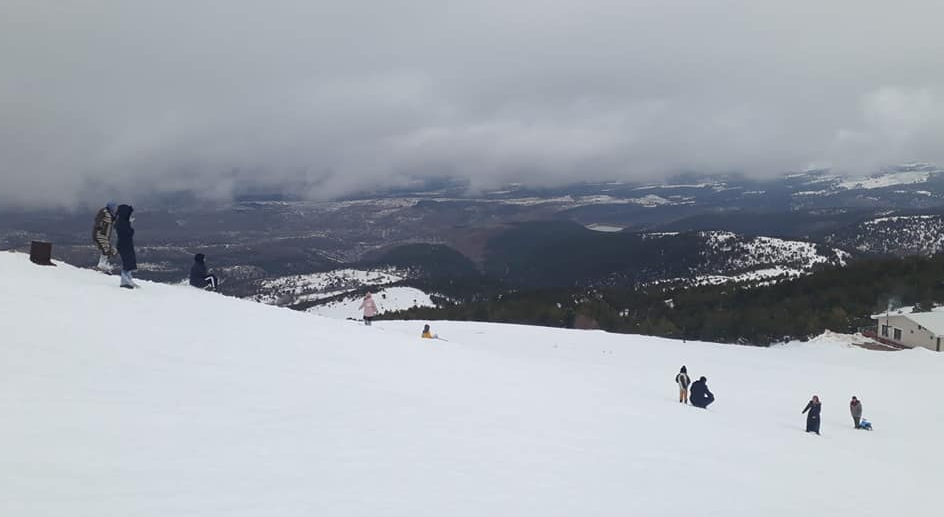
{"points": [[41, 253]]}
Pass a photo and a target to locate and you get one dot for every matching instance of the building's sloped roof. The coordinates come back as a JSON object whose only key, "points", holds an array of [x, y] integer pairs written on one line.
{"points": [[903, 311], [933, 321]]}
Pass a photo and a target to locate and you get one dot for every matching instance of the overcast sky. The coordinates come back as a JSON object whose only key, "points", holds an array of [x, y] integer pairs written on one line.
{"points": [[104, 98]]}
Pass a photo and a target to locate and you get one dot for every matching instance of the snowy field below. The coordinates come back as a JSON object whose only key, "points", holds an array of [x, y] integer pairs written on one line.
{"points": [[171, 401]]}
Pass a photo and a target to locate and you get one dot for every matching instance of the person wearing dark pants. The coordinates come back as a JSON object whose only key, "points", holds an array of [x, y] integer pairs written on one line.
{"points": [[129, 260], [701, 396], [199, 276], [855, 407], [812, 410]]}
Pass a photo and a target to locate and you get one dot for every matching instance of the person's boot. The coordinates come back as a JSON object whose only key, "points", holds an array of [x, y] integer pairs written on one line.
{"points": [[103, 264], [126, 281]]}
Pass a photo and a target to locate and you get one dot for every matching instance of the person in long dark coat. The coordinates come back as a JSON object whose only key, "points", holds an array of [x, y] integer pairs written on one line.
{"points": [[701, 396], [125, 232], [812, 411]]}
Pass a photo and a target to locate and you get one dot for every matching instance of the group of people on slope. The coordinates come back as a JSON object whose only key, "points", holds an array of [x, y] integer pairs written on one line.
{"points": [[115, 220], [701, 396], [814, 409]]}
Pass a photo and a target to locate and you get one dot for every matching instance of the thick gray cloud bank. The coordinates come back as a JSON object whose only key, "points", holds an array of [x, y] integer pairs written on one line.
{"points": [[102, 97]]}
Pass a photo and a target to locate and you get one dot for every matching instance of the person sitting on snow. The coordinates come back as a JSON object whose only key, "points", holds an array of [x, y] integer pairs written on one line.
{"points": [[427, 334], [701, 396], [199, 276]]}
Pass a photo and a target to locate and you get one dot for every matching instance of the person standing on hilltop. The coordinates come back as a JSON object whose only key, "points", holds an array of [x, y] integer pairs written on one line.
{"points": [[701, 396], [683, 382], [369, 307], [125, 232], [101, 235], [812, 410]]}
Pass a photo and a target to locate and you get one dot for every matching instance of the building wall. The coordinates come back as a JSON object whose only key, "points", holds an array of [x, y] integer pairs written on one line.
{"points": [[912, 334]]}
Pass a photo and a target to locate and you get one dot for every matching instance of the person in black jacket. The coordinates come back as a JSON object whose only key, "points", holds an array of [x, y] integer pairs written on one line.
{"points": [[701, 396], [125, 232], [812, 411], [199, 276], [683, 382]]}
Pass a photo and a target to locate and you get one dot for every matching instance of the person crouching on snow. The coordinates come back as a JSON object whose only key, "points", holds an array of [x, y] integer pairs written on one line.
{"points": [[370, 309], [701, 396], [199, 276], [683, 382], [427, 334], [125, 232]]}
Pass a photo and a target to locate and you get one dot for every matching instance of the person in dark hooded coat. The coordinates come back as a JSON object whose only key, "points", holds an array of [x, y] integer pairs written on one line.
{"points": [[812, 411], [199, 276], [701, 396], [125, 246]]}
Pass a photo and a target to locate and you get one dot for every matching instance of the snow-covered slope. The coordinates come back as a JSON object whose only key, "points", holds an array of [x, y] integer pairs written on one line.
{"points": [[170, 401], [387, 299]]}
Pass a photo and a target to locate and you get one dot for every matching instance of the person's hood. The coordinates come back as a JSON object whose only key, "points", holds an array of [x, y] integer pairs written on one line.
{"points": [[199, 258], [124, 212]]}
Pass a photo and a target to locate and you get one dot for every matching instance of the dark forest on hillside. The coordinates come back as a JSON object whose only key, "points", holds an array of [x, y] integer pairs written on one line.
{"points": [[834, 298]]}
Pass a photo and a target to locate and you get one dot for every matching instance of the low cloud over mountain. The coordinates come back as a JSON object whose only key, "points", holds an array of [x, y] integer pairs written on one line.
{"points": [[112, 98]]}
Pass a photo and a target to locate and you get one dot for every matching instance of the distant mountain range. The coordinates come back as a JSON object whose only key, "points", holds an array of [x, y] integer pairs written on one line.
{"points": [[691, 230]]}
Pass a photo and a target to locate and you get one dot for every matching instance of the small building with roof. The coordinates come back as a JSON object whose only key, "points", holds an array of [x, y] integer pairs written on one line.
{"points": [[909, 329]]}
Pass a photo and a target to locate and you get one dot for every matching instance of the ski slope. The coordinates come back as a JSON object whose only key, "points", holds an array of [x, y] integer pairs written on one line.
{"points": [[171, 401]]}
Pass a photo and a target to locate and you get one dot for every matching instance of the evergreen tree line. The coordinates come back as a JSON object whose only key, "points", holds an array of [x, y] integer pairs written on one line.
{"points": [[841, 299]]}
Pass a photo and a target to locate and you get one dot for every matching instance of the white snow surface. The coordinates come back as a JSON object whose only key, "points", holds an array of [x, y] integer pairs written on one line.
{"points": [[172, 401], [387, 299]]}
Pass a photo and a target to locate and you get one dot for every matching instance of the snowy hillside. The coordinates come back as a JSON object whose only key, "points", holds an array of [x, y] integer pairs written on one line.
{"points": [[295, 289], [171, 401], [896, 235], [388, 299], [729, 257]]}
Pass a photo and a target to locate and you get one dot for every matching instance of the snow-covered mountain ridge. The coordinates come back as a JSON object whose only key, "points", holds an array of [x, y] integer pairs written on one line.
{"points": [[750, 261], [169, 400], [894, 235]]}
